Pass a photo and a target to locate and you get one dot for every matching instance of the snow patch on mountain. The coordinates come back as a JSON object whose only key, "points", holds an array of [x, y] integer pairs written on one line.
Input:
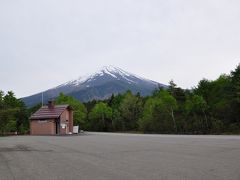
{"points": [[109, 73], [113, 72]]}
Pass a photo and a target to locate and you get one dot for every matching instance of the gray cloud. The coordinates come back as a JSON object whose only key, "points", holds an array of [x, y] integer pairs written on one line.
{"points": [[45, 43]]}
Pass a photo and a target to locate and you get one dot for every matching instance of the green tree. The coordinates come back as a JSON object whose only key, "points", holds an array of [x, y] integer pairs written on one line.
{"points": [[22, 120], [219, 99], [7, 120], [1, 100], [197, 106], [172, 87], [155, 118], [147, 122], [117, 121], [10, 101], [13, 114], [130, 109], [100, 118], [235, 80], [169, 105], [79, 110]]}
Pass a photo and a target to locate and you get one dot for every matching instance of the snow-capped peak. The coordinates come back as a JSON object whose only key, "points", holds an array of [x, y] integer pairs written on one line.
{"points": [[114, 72]]}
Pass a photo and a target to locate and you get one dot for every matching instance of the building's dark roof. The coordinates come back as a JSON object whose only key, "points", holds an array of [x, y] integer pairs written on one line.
{"points": [[49, 113]]}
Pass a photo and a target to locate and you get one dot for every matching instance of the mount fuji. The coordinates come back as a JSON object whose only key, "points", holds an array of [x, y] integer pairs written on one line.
{"points": [[100, 85]]}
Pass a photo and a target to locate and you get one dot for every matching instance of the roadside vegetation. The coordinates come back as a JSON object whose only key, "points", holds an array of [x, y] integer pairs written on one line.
{"points": [[212, 107], [13, 114]]}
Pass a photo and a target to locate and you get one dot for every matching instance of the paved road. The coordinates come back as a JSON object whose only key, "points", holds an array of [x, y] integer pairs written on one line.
{"points": [[120, 157]]}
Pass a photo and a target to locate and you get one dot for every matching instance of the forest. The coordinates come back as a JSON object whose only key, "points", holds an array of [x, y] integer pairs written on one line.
{"points": [[212, 107]]}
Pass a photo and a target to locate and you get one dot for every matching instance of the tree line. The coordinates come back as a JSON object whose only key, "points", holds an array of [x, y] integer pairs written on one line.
{"points": [[212, 107], [13, 114]]}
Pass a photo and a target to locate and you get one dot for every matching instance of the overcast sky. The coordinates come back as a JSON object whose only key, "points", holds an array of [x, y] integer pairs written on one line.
{"points": [[44, 43]]}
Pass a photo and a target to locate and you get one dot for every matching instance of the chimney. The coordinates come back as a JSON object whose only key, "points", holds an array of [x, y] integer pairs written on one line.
{"points": [[50, 104]]}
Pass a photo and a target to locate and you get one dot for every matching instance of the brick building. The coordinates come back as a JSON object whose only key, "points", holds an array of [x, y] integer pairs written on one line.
{"points": [[51, 120]]}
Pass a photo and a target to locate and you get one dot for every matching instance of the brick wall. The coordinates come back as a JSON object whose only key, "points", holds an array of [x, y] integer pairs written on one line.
{"points": [[43, 127]]}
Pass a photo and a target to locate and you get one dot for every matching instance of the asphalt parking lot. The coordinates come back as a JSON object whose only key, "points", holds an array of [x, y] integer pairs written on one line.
{"points": [[108, 156]]}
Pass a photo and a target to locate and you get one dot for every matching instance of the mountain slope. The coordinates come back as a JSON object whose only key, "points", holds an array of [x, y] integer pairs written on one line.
{"points": [[107, 81]]}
